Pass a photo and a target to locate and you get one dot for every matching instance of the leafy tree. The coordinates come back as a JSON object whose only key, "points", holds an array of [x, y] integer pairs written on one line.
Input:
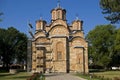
{"points": [[13, 44], [116, 56], [117, 40], [112, 8], [101, 44], [21, 48]]}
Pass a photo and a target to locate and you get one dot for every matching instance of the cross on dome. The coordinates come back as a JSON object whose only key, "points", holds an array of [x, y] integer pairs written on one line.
{"points": [[58, 3]]}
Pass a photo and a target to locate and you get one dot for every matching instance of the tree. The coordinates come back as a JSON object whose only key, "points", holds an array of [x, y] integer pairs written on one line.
{"points": [[101, 44], [13, 45], [112, 8], [117, 40], [21, 48], [116, 56]]}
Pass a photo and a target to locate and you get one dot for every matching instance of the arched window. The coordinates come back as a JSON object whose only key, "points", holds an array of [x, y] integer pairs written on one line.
{"points": [[59, 55], [53, 15], [63, 16], [59, 50], [78, 58], [79, 61], [58, 15], [77, 25]]}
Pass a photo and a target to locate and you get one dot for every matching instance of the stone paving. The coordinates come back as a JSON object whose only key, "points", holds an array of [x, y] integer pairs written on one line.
{"points": [[62, 76]]}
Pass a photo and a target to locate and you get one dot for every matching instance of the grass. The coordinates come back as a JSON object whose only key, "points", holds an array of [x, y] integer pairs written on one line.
{"points": [[106, 75], [25, 75], [86, 77], [17, 76]]}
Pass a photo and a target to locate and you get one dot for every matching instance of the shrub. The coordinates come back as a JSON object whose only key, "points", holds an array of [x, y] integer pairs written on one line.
{"points": [[116, 78], [36, 76]]}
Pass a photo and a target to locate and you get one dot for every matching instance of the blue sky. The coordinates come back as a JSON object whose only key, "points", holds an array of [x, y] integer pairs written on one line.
{"points": [[17, 13]]}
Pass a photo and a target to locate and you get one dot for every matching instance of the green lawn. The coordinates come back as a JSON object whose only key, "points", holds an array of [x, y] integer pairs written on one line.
{"points": [[86, 77], [105, 75], [108, 74], [17, 76], [25, 75]]}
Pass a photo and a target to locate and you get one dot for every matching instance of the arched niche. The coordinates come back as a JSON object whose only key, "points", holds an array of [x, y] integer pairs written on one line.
{"points": [[79, 41], [59, 30], [39, 34], [42, 40], [59, 51]]}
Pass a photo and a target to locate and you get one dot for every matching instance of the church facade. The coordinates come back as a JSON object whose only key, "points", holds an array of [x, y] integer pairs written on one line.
{"points": [[59, 47]]}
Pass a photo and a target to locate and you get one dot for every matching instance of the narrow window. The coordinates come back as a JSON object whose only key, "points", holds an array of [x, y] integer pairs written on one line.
{"points": [[59, 51], [53, 15], [59, 55], [79, 61], [58, 15]]}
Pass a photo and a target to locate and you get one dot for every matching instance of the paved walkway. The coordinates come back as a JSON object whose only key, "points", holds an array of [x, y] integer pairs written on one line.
{"points": [[62, 76]]}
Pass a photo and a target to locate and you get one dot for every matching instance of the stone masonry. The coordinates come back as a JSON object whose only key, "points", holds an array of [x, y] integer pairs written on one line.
{"points": [[59, 47]]}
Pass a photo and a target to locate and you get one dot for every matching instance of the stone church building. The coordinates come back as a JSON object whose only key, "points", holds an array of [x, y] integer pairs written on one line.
{"points": [[59, 47]]}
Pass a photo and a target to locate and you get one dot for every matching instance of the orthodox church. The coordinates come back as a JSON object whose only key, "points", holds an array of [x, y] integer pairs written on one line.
{"points": [[59, 47]]}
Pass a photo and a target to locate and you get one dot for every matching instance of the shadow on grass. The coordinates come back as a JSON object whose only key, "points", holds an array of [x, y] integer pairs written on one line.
{"points": [[21, 77], [96, 70], [5, 74]]}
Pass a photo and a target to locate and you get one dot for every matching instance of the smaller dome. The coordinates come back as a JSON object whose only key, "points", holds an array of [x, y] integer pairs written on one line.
{"points": [[40, 24]]}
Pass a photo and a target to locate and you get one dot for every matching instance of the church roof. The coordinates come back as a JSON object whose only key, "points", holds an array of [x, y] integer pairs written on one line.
{"points": [[58, 8], [40, 20]]}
